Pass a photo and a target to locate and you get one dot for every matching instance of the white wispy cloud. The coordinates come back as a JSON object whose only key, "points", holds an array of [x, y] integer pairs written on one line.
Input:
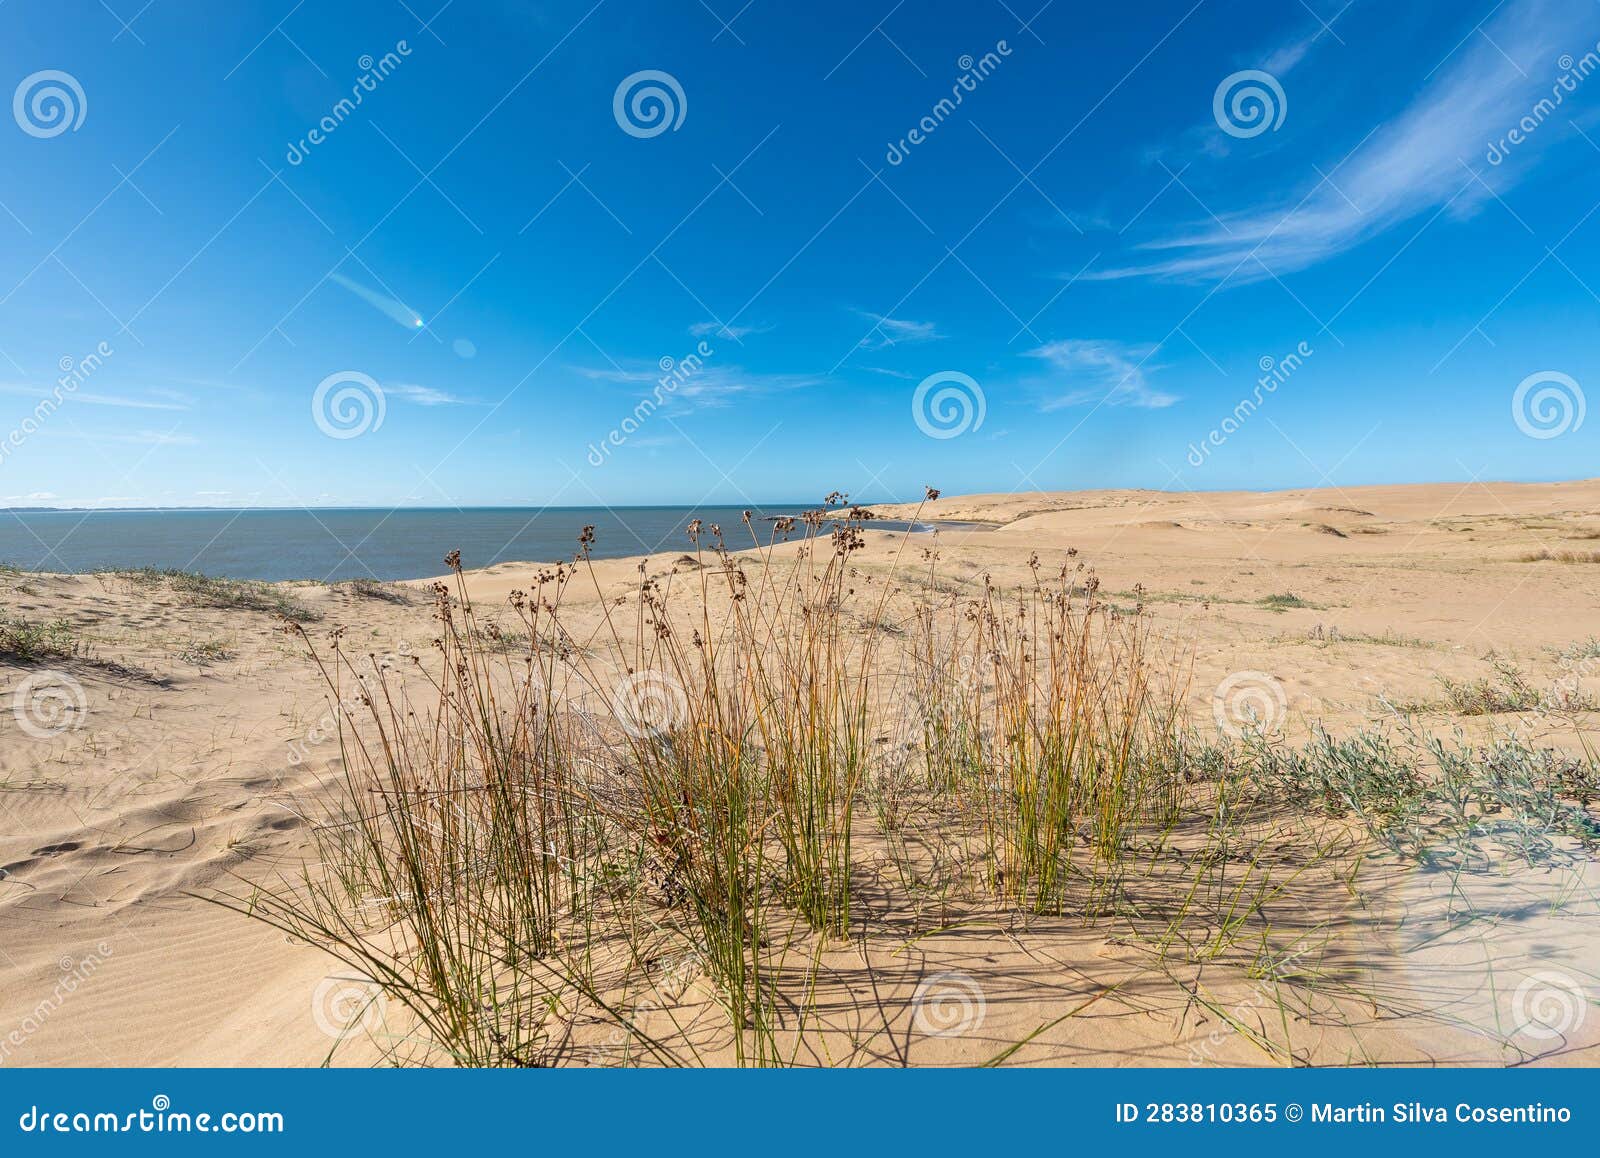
{"points": [[737, 333], [887, 331], [709, 386], [90, 398], [1283, 58], [617, 374], [1098, 372], [136, 437], [152, 438], [427, 395], [1420, 161], [128, 403]]}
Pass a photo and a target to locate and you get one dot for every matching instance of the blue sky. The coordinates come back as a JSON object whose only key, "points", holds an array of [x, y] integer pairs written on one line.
{"points": [[1096, 248]]}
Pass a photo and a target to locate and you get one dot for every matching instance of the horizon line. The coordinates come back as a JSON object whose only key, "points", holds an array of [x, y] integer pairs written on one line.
{"points": [[767, 503]]}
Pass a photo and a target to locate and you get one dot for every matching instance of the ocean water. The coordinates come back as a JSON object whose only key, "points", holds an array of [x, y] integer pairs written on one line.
{"points": [[335, 544]]}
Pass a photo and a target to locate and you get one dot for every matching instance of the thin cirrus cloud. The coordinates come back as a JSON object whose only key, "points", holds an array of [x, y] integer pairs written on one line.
{"points": [[427, 395], [1286, 56], [737, 333], [1098, 373], [133, 437], [703, 387], [1421, 161], [887, 331], [170, 402]]}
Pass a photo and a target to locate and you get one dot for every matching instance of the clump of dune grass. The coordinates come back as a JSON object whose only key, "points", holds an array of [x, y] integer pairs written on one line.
{"points": [[456, 843], [1581, 650], [1283, 601], [378, 590], [1334, 635], [1508, 690], [200, 590], [1050, 726], [1545, 555], [22, 641], [203, 652]]}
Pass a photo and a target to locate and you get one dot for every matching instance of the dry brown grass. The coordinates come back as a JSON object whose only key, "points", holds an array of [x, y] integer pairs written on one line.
{"points": [[1545, 555]]}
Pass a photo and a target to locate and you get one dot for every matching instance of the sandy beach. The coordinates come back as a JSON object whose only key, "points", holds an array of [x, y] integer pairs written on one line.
{"points": [[171, 744]]}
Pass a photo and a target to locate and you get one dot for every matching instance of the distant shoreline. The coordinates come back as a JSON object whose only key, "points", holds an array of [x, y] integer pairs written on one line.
{"points": [[796, 506], [333, 544]]}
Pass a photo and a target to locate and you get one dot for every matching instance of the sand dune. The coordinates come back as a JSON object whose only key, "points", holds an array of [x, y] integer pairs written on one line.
{"points": [[191, 744]]}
